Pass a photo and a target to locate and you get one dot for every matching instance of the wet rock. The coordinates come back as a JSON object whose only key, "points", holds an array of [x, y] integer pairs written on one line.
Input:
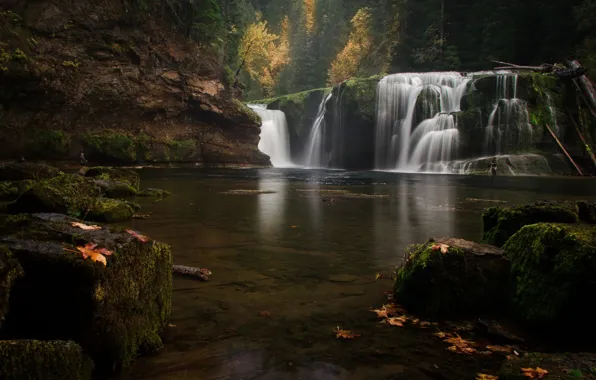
{"points": [[115, 189], [560, 366], [10, 269], [113, 312], [110, 211], [500, 223], [159, 193], [127, 176], [43, 360], [26, 170], [553, 268], [449, 277]]}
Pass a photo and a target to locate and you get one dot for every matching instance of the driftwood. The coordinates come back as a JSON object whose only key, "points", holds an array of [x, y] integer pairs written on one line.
{"points": [[572, 71], [199, 273], [564, 150], [587, 144], [586, 88]]}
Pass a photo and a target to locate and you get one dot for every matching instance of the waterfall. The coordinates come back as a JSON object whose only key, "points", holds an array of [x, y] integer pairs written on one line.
{"points": [[275, 139], [415, 125], [314, 156], [508, 128]]}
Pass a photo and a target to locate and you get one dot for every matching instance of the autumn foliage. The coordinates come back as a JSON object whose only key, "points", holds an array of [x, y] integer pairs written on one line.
{"points": [[309, 15], [359, 45]]}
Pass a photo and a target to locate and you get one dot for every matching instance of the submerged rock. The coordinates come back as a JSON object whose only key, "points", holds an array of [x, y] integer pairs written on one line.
{"points": [[450, 277], [10, 269], [26, 170], [110, 211], [43, 360], [553, 266], [500, 223], [127, 176], [114, 311], [151, 192], [560, 366]]}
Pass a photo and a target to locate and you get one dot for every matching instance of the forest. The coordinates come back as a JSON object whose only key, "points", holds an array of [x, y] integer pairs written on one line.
{"points": [[284, 46]]}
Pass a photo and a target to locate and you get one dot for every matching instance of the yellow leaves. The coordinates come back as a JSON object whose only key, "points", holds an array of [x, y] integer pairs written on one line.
{"points": [[396, 321], [91, 251], [347, 62], [458, 344], [395, 315], [139, 237], [444, 248], [483, 376], [534, 373], [85, 226], [309, 15], [345, 334]]}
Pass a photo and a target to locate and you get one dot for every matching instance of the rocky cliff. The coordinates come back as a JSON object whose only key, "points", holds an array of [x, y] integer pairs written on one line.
{"points": [[85, 76]]}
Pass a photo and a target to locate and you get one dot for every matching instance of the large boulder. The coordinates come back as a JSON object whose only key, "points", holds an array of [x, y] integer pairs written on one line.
{"points": [[449, 277], [114, 311], [10, 269], [110, 211], [43, 360], [560, 366], [115, 189], [10, 190], [25, 170], [127, 176], [500, 223], [553, 266]]}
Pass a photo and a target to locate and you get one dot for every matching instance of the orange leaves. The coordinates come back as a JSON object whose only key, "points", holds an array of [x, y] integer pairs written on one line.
{"points": [[345, 334], [483, 376], [85, 226], [443, 247], [139, 237], [534, 373], [309, 15], [91, 251], [395, 315], [396, 321], [462, 346], [458, 344]]}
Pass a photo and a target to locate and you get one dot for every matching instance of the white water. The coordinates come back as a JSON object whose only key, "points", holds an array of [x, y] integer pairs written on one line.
{"points": [[275, 139], [315, 156], [408, 138]]}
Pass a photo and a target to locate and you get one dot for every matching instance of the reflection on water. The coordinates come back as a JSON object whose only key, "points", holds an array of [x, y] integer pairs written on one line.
{"points": [[313, 277]]}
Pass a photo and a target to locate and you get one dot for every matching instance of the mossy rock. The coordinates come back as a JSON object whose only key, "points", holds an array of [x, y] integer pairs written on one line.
{"points": [[560, 366], [43, 360], [501, 223], [110, 211], [553, 268], [114, 312], [26, 170], [468, 280], [66, 194], [8, 190], [110, 145], [128, 176], [10, 269], [587, 211], [115, 189], [151, 192]]}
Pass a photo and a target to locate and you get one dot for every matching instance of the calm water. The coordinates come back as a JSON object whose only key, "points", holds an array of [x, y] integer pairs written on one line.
{"points": [[309, 256]]}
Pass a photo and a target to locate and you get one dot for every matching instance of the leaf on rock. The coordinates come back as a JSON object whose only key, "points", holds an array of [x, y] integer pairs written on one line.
{"points": [[84, 226], [98, 257], [442, 335], [345, 334], [265, 313], [90, 250], [381, 313], [139, 237], [444, 248], [484, 376], [503, 349], [396, 321], [534, 373]]}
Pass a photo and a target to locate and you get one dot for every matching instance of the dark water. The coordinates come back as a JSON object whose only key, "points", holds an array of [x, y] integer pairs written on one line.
{"points": [[309, 258]]}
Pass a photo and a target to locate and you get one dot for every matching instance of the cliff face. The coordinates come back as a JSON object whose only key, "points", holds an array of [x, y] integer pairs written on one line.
{"points": [[81, 75]]}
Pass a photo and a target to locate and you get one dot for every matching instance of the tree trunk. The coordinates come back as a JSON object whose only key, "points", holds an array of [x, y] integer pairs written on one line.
{"points": [[586, 88]]}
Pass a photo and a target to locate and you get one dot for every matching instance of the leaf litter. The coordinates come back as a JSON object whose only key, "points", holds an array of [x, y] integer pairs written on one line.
{"points": [[345, 334], [86, 227]]}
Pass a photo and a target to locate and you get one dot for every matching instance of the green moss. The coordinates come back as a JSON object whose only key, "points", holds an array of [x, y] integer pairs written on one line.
{"points": [[108, 173], [110, 211], [560, 366], [243, 110], [47, 143], [110, 145], [26, 170], [37, 360], [295, 98], [501, 223], [452, 284], [553, 266], [181, 150], [119, 309], [10, 269], [361, 93], [154, 193], [8, 190]]}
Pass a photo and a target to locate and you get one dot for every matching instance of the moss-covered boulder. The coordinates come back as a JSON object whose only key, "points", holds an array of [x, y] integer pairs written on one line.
{"points": [[10, 190], [113, 311], [151, 192], [110, 211], [500, 223], [43, 360], [560, 366], [450, 277], [10, 269], [127, 176], [553, 266], [25, 170], [115, 189]]}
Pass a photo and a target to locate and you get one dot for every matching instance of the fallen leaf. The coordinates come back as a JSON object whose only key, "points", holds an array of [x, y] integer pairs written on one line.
{"points": [[171, 325], [381, 313], [139, 237], [345, 334], [460, 345], [91, 251], [442, 335], [84, 226], [295, 226], [396, 321], [484, 376], [503, 349], [443, 247], [98, 257], [534, 373], [264, 313]]}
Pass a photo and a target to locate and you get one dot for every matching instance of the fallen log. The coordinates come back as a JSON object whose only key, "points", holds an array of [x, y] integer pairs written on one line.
{"points": [[587, 145], [585, 87], [200, 273], [564, 150]]}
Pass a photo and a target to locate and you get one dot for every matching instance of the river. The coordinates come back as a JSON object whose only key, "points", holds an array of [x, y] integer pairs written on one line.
{"points": [[292, 264]]}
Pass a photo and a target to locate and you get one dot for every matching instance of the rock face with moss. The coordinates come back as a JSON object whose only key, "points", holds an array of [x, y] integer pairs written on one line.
{"points": [[113, 312], [450, 277], [43, 360], [552, 267], [10, 269], [117, 84]]}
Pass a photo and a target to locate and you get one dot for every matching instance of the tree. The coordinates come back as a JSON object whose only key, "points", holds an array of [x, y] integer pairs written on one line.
{"points": [[347, 62], [309, 15]]}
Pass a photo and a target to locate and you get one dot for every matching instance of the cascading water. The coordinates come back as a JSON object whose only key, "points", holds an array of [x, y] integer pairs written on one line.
{"points": [[314, 156], [275, 139], [508, 126], [415, 125]]}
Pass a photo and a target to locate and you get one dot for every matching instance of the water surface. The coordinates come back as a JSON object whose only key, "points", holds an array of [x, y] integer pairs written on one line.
{"points": [[308, 256]]}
